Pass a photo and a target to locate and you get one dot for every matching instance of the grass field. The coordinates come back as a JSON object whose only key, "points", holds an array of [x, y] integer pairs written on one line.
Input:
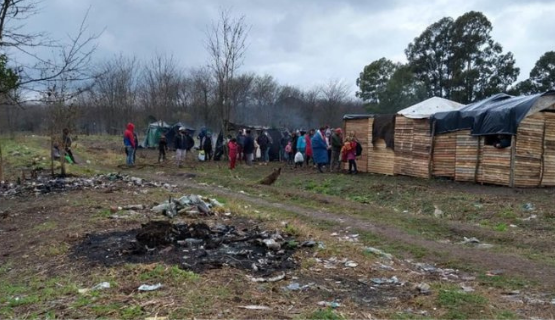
{"points": [[509, 274]]}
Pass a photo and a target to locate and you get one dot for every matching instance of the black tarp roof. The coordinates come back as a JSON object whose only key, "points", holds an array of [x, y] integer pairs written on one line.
{"points": [[357, 116], [498, 114]]}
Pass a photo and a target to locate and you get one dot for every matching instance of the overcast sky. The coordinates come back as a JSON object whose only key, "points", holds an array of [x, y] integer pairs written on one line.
{"points": [[299, 42]]}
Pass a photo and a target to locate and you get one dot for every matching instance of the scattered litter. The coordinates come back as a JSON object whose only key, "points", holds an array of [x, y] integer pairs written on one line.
{"points": [[253, 307], [423, 288], [156, 318], [528, 207], [271, 244], [134, 207], [478, 205], [484, 246], [532, 217], [351, 264], [470, 240], [467, 289], [437, 212], [513, 226], [330, 304], [379, 281], [146, 287], [272, 279], [309, 244], [384, 266], [295, 286], [190, 205], [102, 285], [378, 252], [493, 273]]}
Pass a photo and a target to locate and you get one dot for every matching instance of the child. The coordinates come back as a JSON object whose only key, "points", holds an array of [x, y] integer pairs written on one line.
{"points": [[289, 152], [351, 155], [162, 148], [233, 148]]}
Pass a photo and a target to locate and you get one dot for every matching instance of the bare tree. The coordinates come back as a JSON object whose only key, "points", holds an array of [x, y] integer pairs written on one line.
{"points": [[334, 96], [202, 91], [160, 83], [264, 93], [70, 62], [226, 45]]}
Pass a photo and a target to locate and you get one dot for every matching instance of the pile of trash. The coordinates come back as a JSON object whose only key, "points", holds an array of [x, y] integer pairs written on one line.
{"points": [[46, 184], [196, 247], [190, 205]]}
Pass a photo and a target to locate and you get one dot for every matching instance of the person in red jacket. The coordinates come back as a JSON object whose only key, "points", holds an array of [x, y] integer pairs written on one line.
{"points": [[233, 148], [308, 150], [129, 142]]}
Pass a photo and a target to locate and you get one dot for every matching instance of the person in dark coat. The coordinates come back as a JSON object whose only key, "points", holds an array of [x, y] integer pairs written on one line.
{"points": [[207, 147], [320, 149], [162, 148], [264, 143], [248, 148]]}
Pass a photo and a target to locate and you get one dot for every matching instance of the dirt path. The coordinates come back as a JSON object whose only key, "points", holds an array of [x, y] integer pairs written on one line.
{"points": [[511, 265]]}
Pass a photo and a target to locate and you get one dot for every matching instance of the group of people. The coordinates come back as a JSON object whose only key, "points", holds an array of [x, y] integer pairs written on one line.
{"points": [[323, 147], [317, 147]]}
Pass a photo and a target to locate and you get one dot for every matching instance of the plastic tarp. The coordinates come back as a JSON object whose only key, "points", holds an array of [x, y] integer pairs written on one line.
{"points": [[427, 108], [153, 133], [499, 114], [357, 116]]}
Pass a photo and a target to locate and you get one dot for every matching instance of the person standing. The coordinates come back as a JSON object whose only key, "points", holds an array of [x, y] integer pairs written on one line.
{"points": [[180, 146], [67, 144], [285, 139], [232, 147], [336, 145], [264, 144], [351, 155], [207, 146], [162, 148], [301, 144], [320, 149], [308, 152], [241, 145], [248, 149], [129, 142]]}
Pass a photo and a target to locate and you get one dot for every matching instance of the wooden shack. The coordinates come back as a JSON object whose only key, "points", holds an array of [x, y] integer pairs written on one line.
{"points": [[529, 161], [413, 138]]}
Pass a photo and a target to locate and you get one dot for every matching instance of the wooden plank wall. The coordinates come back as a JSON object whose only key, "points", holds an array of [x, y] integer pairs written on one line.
{"points": [[548, 176], [494, 165], [528, 157], [403, 145], [381, 159], [421, 145], [363, 130], [445, 147], [466, 154]]}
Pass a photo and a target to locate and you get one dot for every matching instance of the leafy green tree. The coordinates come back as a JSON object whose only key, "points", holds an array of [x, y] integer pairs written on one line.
{"points": [[459, 60], [430, 56], [542, 75], [402, 91], [373, 80], [481, 69]]}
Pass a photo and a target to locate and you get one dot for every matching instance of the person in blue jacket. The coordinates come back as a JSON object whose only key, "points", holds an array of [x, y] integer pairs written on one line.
{"points": [[320, 149]]}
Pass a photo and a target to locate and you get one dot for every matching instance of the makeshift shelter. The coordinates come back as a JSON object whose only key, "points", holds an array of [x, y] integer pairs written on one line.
{"points": [[170, 135], [413, 142], [153, 133], [528, 122]]}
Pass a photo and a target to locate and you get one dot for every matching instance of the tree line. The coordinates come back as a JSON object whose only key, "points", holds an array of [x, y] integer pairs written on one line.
{"points": [[456, 59]]}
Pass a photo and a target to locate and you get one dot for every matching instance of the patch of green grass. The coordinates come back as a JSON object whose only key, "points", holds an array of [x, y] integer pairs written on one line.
{"points": [[502, 282], [501, 227], [325, 314], [57, 249], [461, 305], [291, 229], [46, 226], [507, 315], [131, 312]]}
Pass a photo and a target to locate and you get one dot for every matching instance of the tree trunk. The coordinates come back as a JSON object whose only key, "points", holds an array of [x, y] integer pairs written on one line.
{"points": [[1, 164]]}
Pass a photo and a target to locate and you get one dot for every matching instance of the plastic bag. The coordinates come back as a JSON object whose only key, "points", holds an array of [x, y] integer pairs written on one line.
{"points": [[201, 155], [299, 157]]}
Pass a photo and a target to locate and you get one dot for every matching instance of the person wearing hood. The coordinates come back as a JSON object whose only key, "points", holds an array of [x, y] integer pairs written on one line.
{"points": [[320, 149], [336, 145], [129, 142]]}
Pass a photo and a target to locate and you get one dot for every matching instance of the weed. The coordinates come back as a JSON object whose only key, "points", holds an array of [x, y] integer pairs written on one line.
{"points": [[501, 227], [131, 312], [327, 314], [291, 229], [506, 314], [502, 282], [461, 305], [46, 226]]}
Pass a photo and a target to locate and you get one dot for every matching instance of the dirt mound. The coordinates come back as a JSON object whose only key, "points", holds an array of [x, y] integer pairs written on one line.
{"points": [[196, 247]]}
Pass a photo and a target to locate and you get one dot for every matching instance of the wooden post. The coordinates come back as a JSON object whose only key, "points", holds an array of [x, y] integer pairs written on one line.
{"points": [[431, 153], [478, 153], [542, 163], [513, 155]]}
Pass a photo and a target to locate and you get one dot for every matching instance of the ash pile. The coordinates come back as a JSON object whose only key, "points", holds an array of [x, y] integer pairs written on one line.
{"points": [[195, 246], [46, 184]]}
